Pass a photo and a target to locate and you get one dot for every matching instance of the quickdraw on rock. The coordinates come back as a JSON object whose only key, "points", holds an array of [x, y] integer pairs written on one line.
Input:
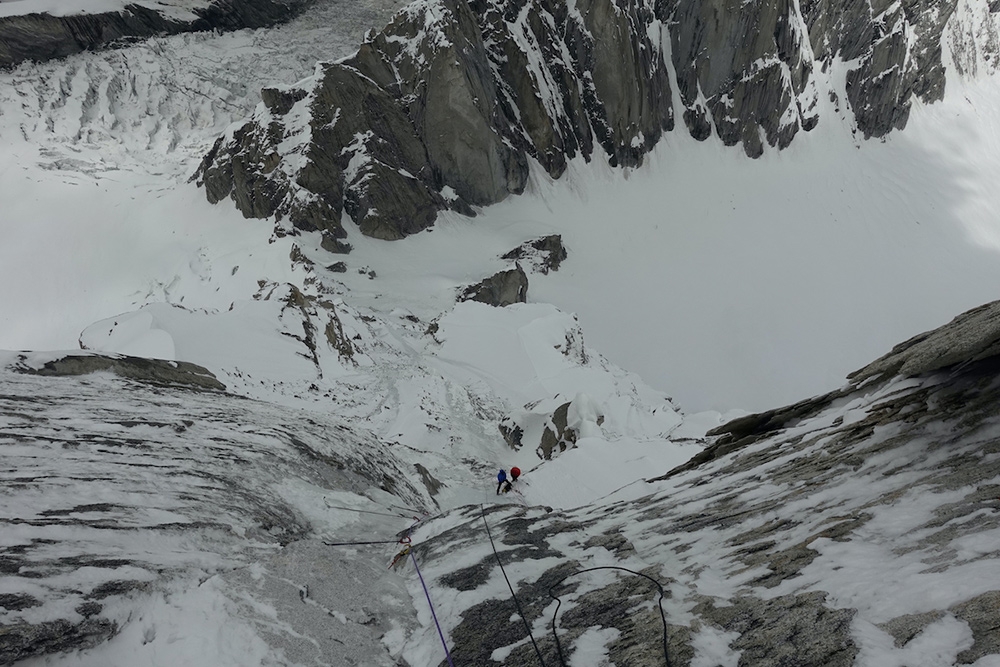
{"points": [[401, 556]]}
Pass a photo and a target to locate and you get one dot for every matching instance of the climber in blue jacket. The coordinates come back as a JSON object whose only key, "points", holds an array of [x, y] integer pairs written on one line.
{"points": [[501, 480]]}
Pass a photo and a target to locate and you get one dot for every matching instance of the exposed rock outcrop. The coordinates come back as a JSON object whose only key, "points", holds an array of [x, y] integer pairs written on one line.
{"points": [[42, 37], [500, 289], [25, 640], [551, 426], [541, 255], [152, 371], [970, 338], [442, 109]]}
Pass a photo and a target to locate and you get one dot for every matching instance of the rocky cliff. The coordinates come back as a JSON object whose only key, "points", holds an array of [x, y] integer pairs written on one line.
{"points": [[446, 106], [44, 36]]}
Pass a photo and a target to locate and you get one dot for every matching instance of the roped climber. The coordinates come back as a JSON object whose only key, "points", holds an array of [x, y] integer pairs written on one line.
{"points": [[501, 481]]}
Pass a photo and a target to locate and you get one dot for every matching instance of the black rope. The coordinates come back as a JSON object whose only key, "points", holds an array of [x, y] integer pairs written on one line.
{"points": [[524, 619], [408, 509], [354, 509], [663, 616], [351, 544]]}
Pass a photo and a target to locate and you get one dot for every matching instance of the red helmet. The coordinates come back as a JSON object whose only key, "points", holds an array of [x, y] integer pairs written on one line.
{"points": [[515, 472]]}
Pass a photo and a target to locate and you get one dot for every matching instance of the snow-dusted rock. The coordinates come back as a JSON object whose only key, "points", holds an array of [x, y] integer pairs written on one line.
{"points": [[443, 107], [541, 255], [501, 289], [142, 369], [895, 50], [856, 529], [456, 98], [39, 30]]}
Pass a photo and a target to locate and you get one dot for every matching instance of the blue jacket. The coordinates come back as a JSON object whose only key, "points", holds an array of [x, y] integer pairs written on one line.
{"points": [[502, 475]]}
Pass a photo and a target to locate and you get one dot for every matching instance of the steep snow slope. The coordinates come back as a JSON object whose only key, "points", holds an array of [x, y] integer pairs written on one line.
{"points": [[860, 529]]}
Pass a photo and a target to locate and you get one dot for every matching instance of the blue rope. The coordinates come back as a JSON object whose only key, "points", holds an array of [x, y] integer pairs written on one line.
{"points": [[431, 605]]}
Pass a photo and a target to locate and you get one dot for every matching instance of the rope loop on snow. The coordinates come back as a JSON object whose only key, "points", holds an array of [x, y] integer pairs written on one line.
{"points": [[663, 617], [517, 604]]}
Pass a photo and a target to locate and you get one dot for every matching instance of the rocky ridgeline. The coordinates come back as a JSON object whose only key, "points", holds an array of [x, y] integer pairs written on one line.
{"points": [[40, 37], [443, 108]]}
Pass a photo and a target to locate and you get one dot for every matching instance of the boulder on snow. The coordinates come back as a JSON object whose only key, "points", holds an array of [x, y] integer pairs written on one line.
{"points": [[500, 289], [551, 431], [542, 255]]}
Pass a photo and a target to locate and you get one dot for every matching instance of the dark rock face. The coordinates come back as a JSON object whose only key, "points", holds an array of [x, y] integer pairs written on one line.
{"points": [[445, 106], [442, 109], [500, 289], [742, 68], [890, 71], [42, 37]]}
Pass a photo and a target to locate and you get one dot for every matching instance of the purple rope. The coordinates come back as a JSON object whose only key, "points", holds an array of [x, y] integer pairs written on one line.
{"points": [[440, 634]]}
